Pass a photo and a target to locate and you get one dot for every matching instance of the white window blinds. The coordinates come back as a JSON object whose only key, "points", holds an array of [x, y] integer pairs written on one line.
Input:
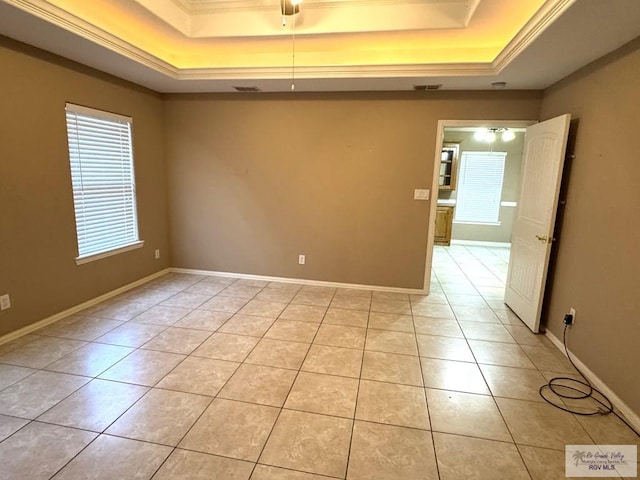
{"points": [[103, 180], [480, 187]]}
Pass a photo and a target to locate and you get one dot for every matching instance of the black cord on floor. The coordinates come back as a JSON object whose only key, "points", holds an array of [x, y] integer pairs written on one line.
{"points": [[582, 389]]}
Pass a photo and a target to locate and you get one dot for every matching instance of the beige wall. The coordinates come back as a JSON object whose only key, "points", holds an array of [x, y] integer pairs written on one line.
{"points": [[256, 180], [37, 226], [598, 260], [510, 187]]}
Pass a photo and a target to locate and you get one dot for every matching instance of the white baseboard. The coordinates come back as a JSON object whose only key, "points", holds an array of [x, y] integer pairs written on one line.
{"points": [[621, 407], [70, 311], [94, 301], [318, 283], [478, 243]]}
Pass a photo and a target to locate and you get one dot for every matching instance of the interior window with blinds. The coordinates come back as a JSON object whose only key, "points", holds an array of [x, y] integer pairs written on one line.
{"points": [[480, 179], [102, 175]]}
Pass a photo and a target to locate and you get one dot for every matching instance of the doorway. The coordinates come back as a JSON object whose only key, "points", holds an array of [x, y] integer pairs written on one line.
{"points": [[486, 188], [534, 222], [480, 245]]}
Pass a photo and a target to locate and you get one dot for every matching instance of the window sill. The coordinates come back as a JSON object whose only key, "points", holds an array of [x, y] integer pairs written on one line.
{"points": [[109, 253], [491, 224]]}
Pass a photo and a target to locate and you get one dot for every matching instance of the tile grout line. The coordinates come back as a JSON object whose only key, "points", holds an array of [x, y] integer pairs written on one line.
{"points": [[174, 448], [99, 434], [493, 397], [355, 407], [256, 463], [424, 392], [488, 388], [214, 397]]}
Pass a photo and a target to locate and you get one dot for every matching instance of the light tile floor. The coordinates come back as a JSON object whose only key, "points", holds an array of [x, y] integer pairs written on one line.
{"points": [[193, 377]]}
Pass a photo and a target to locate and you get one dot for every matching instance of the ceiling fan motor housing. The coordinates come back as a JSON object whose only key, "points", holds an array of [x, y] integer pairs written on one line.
{"points": [[288, 8]]}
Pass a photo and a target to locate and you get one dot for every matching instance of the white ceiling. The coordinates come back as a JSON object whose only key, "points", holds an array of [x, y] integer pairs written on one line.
{"points": [[341, 45]]}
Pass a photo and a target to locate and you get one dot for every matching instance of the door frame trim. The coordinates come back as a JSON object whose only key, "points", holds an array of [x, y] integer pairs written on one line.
{"points": [[442, 124]]}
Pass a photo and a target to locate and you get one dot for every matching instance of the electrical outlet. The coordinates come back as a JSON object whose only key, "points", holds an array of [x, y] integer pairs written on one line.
{"points": [[572, 312], [5, 302], [302, 259], [157, 253]]}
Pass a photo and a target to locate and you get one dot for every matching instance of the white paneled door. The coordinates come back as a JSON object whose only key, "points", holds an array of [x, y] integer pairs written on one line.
{"points": [[532, 238]]}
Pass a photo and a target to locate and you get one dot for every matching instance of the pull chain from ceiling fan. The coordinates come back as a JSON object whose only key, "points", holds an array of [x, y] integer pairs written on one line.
{"points": [[291, 8], [293, 56]]}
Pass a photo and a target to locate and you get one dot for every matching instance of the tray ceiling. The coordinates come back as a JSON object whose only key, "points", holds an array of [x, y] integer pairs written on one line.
{"points": [[213, 45]]}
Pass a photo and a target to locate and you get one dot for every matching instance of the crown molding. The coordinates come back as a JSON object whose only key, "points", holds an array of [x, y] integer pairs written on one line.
{"points": [[212, 6], [184, 5], [63, 19], [359, 71], [544, 17]]}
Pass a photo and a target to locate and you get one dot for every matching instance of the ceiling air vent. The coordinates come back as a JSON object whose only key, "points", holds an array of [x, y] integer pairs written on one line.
{"points": [[422, 88], [246, 89]]}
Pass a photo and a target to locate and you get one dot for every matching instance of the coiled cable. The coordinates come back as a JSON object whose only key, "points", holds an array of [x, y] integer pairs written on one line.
{"points": [[574, 389]]}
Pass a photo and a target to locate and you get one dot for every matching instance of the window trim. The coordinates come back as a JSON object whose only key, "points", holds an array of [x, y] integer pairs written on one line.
{"points": [[109, 253], [73, 109]]}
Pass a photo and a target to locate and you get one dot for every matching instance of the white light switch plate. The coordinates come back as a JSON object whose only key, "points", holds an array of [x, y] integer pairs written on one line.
{"points": [[420, 194], [5, 302]]}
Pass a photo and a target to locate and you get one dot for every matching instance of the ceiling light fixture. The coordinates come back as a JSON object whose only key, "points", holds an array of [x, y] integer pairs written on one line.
{"points": [[508, 135], [291, 8], [490, 135]]}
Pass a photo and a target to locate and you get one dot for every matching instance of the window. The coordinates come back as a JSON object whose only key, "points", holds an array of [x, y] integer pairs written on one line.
{"points": [[480, 187], [104, 193]]}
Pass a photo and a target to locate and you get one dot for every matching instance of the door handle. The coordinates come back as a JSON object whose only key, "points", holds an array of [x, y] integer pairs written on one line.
{"points": [[546, 239]]}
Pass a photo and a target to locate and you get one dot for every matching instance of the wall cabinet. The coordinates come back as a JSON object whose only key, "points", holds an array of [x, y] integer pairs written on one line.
{"points": [[449, 165], [444, 223]]}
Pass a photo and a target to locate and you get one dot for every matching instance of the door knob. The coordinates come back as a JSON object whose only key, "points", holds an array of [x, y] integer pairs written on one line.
{"points": [[542, 239]]}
